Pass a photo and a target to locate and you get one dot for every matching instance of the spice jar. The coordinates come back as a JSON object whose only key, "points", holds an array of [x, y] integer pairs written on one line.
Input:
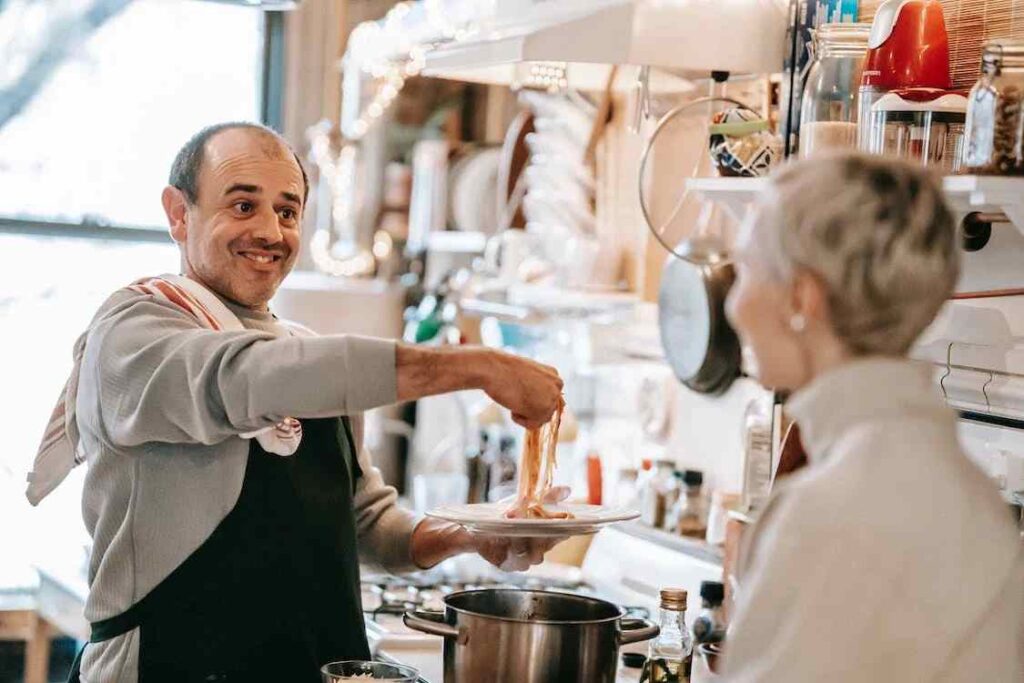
{"points": [[994, 122], [828, 113]]}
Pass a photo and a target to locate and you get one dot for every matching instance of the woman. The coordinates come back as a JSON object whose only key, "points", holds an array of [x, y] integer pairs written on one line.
{"points": [[890, 557]]}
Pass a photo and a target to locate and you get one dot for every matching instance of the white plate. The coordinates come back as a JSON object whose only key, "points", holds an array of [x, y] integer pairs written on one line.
{"points": [[489, 518]]}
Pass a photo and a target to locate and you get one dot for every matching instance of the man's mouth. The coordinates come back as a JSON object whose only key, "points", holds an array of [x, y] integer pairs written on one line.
{"points": [[260, 257]]}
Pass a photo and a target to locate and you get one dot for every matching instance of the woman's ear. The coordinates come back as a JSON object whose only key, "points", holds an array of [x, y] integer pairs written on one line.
{"points": [[176, 208], [809, 300]]}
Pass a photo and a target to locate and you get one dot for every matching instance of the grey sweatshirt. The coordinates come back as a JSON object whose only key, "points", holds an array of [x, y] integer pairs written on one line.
{"points": [[161, 402]]}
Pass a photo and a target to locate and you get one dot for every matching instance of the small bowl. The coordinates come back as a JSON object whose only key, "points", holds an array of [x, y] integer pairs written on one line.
{"points": [[355, 671]]}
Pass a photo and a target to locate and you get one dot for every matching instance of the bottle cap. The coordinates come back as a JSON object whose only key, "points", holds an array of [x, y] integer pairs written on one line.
{"points": [[673, 598], [712, 591], [693, 477]]}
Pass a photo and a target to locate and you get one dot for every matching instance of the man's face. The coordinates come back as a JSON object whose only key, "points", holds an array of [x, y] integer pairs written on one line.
{"points": [[241, 237]]}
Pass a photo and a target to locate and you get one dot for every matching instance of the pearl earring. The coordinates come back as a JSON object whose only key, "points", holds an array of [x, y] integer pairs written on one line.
{"points": [[798, 323]]}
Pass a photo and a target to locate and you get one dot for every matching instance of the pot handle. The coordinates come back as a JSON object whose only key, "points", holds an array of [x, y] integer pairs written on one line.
{"points": [[635, 630], [434, 624]]}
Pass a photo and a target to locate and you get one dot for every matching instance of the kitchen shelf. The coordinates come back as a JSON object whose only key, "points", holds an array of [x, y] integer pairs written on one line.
{"points": [[987, 194], [456, 242], [529, 304], [696, 549], [734, 194]]}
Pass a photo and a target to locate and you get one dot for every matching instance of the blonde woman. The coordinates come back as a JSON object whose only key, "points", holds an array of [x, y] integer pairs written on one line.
{"points": [[890, 557]]}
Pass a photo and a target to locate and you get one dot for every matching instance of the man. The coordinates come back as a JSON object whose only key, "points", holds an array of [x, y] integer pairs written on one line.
{"points": [[215, 558]]}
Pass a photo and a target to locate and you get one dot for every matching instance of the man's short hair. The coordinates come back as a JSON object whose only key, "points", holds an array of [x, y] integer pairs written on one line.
{"points": [[189, 160]]}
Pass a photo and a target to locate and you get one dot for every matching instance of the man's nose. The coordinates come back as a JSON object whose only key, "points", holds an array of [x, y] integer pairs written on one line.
{"points": [[268, 228]]}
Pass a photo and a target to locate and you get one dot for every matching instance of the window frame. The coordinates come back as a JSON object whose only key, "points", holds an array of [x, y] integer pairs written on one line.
{"points": [[270, 89]]}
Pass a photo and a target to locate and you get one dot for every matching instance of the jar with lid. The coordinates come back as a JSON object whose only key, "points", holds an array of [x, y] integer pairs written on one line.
{"points": [[994, 122], [653, 495], [691, 511], [828, 112]]}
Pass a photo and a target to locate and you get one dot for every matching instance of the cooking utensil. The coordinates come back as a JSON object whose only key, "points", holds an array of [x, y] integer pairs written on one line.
{"points": [[489, 518], [699, 344], [528, 636], [703, 246], [342, 672]]}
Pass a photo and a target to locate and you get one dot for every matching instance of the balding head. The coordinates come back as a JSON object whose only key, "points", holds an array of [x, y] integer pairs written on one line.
{"points": [[188, 162]]}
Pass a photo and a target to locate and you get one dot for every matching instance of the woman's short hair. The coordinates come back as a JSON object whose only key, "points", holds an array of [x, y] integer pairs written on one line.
{"points": [[876, 231]]}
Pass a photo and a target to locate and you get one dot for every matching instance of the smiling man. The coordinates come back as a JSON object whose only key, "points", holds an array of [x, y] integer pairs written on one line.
{"points": [[228, 494]]}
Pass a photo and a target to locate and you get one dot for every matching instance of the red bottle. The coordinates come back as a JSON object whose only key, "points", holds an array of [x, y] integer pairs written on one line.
{"points": [[594, 480]]}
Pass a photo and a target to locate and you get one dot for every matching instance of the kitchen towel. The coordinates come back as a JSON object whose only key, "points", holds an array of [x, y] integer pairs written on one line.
{"points": [[60, 449]]}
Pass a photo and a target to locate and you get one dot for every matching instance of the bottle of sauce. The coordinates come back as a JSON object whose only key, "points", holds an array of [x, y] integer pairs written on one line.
{"points": [[670, 655]]}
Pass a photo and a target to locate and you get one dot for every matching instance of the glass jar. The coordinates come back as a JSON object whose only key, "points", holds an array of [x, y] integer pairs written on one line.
{"points": [[828, 113], [994, 122]]}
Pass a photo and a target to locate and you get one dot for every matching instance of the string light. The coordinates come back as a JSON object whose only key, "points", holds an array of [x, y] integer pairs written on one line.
{"points": [[385, 51]]}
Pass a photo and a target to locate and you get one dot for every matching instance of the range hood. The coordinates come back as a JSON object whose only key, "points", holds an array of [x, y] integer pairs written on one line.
{"points": [[490, 42]]}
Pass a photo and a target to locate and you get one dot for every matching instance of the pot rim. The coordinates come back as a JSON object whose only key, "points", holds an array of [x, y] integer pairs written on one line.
{"points": [[552, 622]]}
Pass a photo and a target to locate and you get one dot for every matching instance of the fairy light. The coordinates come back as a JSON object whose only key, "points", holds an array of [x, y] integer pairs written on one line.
{"points": [[376, 45], [548, 76]]}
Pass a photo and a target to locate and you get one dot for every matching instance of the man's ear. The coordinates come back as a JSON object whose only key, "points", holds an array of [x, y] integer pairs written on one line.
{"points": [[176, 208]]}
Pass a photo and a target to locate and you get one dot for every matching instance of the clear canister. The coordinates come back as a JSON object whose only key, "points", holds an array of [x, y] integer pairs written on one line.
{"points": [[995, 127], [828, 113]]}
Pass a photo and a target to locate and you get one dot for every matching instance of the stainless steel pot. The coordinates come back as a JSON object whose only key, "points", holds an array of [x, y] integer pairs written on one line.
{"points": [[529, 636]]}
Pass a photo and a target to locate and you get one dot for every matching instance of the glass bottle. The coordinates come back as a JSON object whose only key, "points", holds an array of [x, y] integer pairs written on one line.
{"points": [[652, 508], [828, 112], [692, 514], [670, 655], [709, 626], [995, 126], [757, 456]]}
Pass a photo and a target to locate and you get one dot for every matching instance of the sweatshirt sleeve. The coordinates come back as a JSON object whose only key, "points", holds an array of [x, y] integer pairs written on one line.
{"points": [[384, 527], [162, 377]]}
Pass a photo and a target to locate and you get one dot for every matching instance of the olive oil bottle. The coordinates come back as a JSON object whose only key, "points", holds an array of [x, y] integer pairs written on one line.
{"points": [[670, 655]]}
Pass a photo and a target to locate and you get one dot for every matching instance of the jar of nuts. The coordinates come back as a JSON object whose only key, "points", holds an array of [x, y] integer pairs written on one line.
{"points": [[995, 125]]}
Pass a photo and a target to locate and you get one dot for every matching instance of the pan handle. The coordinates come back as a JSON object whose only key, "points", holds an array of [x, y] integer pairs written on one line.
{"points": [[635, 630], [434, 624]]}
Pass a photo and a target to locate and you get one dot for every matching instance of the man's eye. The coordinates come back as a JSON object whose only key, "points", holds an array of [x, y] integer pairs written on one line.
{"points": [[244, 207], [288, 214]]}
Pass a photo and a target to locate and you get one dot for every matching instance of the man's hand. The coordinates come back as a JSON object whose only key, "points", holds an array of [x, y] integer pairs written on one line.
{"points": [[434, 540], [531, 391]]}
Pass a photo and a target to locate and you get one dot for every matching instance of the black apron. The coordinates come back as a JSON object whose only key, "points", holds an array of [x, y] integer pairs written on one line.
{"points": [[273, 593]]}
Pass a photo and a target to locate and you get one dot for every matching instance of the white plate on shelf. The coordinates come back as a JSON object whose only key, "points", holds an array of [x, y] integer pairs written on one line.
{"points": [[489, 518]]}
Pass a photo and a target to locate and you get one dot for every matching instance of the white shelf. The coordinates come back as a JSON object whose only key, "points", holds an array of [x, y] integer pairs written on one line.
{"points": [[988, 194], [735, 194], [965, 193], [456, 242], [482, 42]]}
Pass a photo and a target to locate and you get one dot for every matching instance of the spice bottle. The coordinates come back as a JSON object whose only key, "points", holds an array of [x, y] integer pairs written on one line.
{"points": [[652, 507], [670, 655], [691, 516], [994, 121]]}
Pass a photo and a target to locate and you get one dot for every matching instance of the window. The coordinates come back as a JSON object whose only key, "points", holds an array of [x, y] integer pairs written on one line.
{"points": [[93, 110], [96, 96]]}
